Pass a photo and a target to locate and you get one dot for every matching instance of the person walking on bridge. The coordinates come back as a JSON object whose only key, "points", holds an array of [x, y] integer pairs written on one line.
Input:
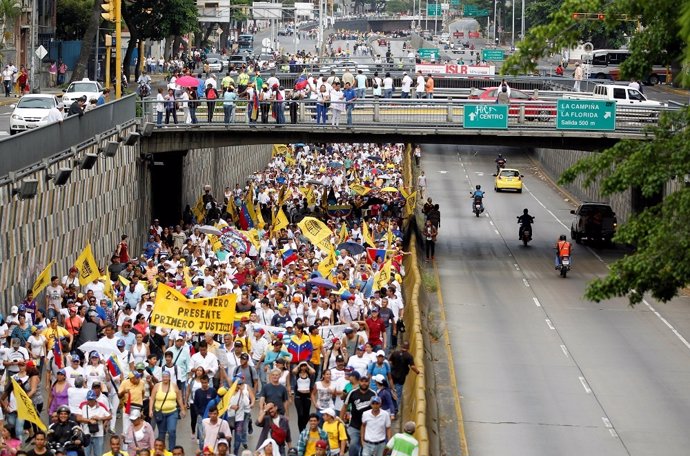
{"points": [[403, 443]]}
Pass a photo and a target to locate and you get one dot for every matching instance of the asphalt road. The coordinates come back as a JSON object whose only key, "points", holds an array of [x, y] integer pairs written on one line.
{"points": [[540, 370]]}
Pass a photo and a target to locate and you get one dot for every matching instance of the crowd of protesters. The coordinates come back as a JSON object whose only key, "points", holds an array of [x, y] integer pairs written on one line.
{"points": [[315, 362]]}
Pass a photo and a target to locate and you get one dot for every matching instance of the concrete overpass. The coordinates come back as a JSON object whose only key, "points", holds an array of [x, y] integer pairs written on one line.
{"points": [[384, 23]]}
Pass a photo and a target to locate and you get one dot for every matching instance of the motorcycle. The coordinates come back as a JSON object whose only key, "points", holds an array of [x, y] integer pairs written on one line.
{"points": [[500, 164], [526, 235], [477, 206], [144, 90], [564, 265]]}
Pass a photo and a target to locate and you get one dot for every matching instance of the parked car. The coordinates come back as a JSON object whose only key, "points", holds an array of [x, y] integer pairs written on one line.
{"points": [[238, 60], [508, 179], [339, 66], [534, 109], [213, 64], [593, 221], [31, 112], [86, 87]]}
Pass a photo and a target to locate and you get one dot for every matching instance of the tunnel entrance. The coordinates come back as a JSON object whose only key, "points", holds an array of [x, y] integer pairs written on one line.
{"points": [[166, 187]]}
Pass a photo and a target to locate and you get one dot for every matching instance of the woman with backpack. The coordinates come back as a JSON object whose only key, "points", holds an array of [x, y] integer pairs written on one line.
{"points": [[211, 97]]}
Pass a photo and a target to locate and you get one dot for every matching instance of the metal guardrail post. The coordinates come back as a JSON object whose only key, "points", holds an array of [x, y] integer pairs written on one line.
{"points": [[521, 116], [302, 113], [449, 111], [377, 111]]}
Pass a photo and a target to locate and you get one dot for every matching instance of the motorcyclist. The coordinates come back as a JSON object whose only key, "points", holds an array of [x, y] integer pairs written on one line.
{"points": [[525, 220], [144, 83], [563, 248], [478, 196], [65, 432], [500, 163]]}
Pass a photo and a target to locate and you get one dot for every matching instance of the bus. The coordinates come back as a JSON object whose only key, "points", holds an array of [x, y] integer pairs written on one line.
{"points": [[605, 64]]}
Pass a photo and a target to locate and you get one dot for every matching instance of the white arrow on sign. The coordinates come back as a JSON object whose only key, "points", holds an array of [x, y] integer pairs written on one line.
{"points": [[607, 114], [472, 116]]}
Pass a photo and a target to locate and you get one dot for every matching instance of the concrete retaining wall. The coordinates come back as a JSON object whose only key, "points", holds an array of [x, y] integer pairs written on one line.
{"points": [[96, 206], [555, 162], [220, 168]]}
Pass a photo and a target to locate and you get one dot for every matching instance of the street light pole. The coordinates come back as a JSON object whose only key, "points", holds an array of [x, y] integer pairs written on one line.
{"points": [[512, 27], [34, 31], [522, 21], [495, 3]]}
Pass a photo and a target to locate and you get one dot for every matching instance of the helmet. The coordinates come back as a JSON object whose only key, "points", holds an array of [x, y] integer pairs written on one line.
{"points": [[500, 155], [525, 211], [562, 238], [63, 408], [478, 187]]}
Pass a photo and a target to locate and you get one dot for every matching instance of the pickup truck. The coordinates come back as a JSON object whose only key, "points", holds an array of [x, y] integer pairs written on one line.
{"points": [[623, 96]]}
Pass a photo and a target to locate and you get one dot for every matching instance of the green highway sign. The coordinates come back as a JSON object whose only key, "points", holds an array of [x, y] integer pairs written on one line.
{"points": [[486, 116], [455, 2], [433, 9], [586, 115], [473, 11], [493, 55], [429, 53]]}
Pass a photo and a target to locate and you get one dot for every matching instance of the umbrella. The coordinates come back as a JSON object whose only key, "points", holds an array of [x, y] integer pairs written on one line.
{"points": [[389, 189], [352, 247], [375, 158], [208, 229], [314, 181], [104, 348], [335, 164], [322, 283], [187, 81]]}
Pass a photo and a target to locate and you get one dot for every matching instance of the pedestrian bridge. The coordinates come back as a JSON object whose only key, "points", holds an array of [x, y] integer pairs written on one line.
{"points": [[439, 121]]}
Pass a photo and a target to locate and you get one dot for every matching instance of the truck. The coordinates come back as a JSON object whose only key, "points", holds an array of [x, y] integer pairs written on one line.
{"points": [[622, 95]]}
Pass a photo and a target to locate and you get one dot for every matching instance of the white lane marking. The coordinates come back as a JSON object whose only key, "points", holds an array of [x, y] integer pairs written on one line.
{"points": [[588, 390], [491, 223], [497, 232], [479, 173], [525, 282], [666, 322], [549, 324], [517, 268], [4, 133], [609, 426], [564, 349], [443, 171], [545, 208], [536, 301]]}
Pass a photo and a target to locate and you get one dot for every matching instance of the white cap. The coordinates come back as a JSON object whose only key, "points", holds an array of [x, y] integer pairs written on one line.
{"points": [[328, 411], [14, 309], [381, 353], [378, 378], [289, 324]]}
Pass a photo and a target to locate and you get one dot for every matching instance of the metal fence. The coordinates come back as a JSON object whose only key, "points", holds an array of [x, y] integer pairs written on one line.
{"points": [[431, 113], [25, 149]]}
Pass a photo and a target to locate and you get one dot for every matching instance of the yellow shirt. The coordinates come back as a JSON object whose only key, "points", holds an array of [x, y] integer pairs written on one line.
{"points": [[317, 347], [166, 401], [336, 433], [310, 449], [135, 392], [50, 334]]}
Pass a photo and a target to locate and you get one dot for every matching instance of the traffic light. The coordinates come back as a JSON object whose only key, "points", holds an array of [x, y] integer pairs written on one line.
{"points": [[601, 16], [110, 10], [577, 16]]}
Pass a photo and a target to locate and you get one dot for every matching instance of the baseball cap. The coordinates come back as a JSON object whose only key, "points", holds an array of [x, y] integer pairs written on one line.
{"points": [[375, 400], [378, 378], [355, 374], [140, 366], [222, 442], [61, 372], [381, 353], [96, 384], [120, 343], [134, 414], [360, 347], [244, 356], [289, 324], [22, 308], [322, 444], [349, 331], [339, 358], [238, 343], [76, 358], [91, 395], [277, 342], [14, 309], [328, 411]]}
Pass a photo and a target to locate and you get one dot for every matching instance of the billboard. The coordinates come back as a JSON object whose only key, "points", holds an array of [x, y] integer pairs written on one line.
{"points": [[266, 10]]}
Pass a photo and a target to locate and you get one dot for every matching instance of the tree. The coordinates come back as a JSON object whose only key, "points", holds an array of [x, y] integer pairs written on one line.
{"points": [[660, 234], [657, 35], [398, 6], [87, 42], [73, 18], [9, 11]]}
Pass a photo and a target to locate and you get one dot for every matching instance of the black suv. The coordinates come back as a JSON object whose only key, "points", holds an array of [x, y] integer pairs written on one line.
{"points": [[594, 222]]}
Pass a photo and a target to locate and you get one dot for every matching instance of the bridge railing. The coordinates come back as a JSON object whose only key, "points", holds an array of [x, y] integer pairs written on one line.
{"points": [[391, 113]]}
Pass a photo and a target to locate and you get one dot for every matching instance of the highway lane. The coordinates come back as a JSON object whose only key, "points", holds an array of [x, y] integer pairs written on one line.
{"points": [[542, 371]]}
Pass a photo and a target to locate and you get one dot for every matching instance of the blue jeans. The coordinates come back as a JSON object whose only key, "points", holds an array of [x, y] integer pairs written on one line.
{"points": [[240, 436], [405, 95], [95, 448], [361, 93], [229, 113], [349, 108], [388, 93], [321, 113], [159, 118], [168, 425], [13, 420], [371, 449], [279, 109], [192, 114], [355, 435]]}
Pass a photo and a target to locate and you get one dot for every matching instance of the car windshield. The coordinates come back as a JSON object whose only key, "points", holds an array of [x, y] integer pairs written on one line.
{"points": [[604, 211], [509, 173], [82, 87], [36, 103]]}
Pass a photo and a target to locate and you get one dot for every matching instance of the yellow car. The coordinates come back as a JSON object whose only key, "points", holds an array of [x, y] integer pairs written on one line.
{"points": [[508, 179]]}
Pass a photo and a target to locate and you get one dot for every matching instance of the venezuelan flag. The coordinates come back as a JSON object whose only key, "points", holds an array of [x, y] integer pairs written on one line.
{"points": [[289, 256], [300, 349], [113, 366]]}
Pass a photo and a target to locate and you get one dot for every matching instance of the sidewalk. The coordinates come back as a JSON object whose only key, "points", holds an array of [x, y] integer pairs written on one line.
{"points": [[12, 99]]}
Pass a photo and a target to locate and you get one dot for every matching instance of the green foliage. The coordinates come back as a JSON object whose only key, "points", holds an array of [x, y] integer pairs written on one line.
{"points": [[73, 18], [158, 19], [660, 39], [661, 233], [398, 6]]}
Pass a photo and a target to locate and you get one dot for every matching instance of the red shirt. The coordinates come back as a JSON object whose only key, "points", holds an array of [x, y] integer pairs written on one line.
{"points": [[376, 329], [124, 255]]}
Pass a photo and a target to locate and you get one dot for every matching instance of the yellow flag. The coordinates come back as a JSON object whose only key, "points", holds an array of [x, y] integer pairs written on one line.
{"points": [[42, 281], [282, 195], [289, 160], [327, 264], [366, 235], [310, 196], [224, 403], [359, 189], [317, 232], [123, 280], [232, 210], [199, 210], [382, 276], [253, 236], [86, 264], [390, 237], [187, 279], [260, 218], [249, 202], [108, 291], [25, 408], [281, 221], [342, 236]]}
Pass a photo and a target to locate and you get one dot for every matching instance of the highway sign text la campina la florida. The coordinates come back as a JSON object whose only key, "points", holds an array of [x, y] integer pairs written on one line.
{"points": [[586, 115], [486, 116]]}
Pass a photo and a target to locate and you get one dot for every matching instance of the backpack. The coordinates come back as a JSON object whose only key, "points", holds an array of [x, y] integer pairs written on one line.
{"points": [[251, 374]]}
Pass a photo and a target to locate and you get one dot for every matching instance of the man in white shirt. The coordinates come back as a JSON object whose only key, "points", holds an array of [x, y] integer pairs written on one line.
{"points": [[54, 294], [203, 358], [406, 86], [359, 362], [421, 83], [376, 429]]}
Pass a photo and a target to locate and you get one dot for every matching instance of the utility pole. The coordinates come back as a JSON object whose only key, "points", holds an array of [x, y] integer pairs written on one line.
{"points": [[522, 21], [34, 32], [113, 13]]}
